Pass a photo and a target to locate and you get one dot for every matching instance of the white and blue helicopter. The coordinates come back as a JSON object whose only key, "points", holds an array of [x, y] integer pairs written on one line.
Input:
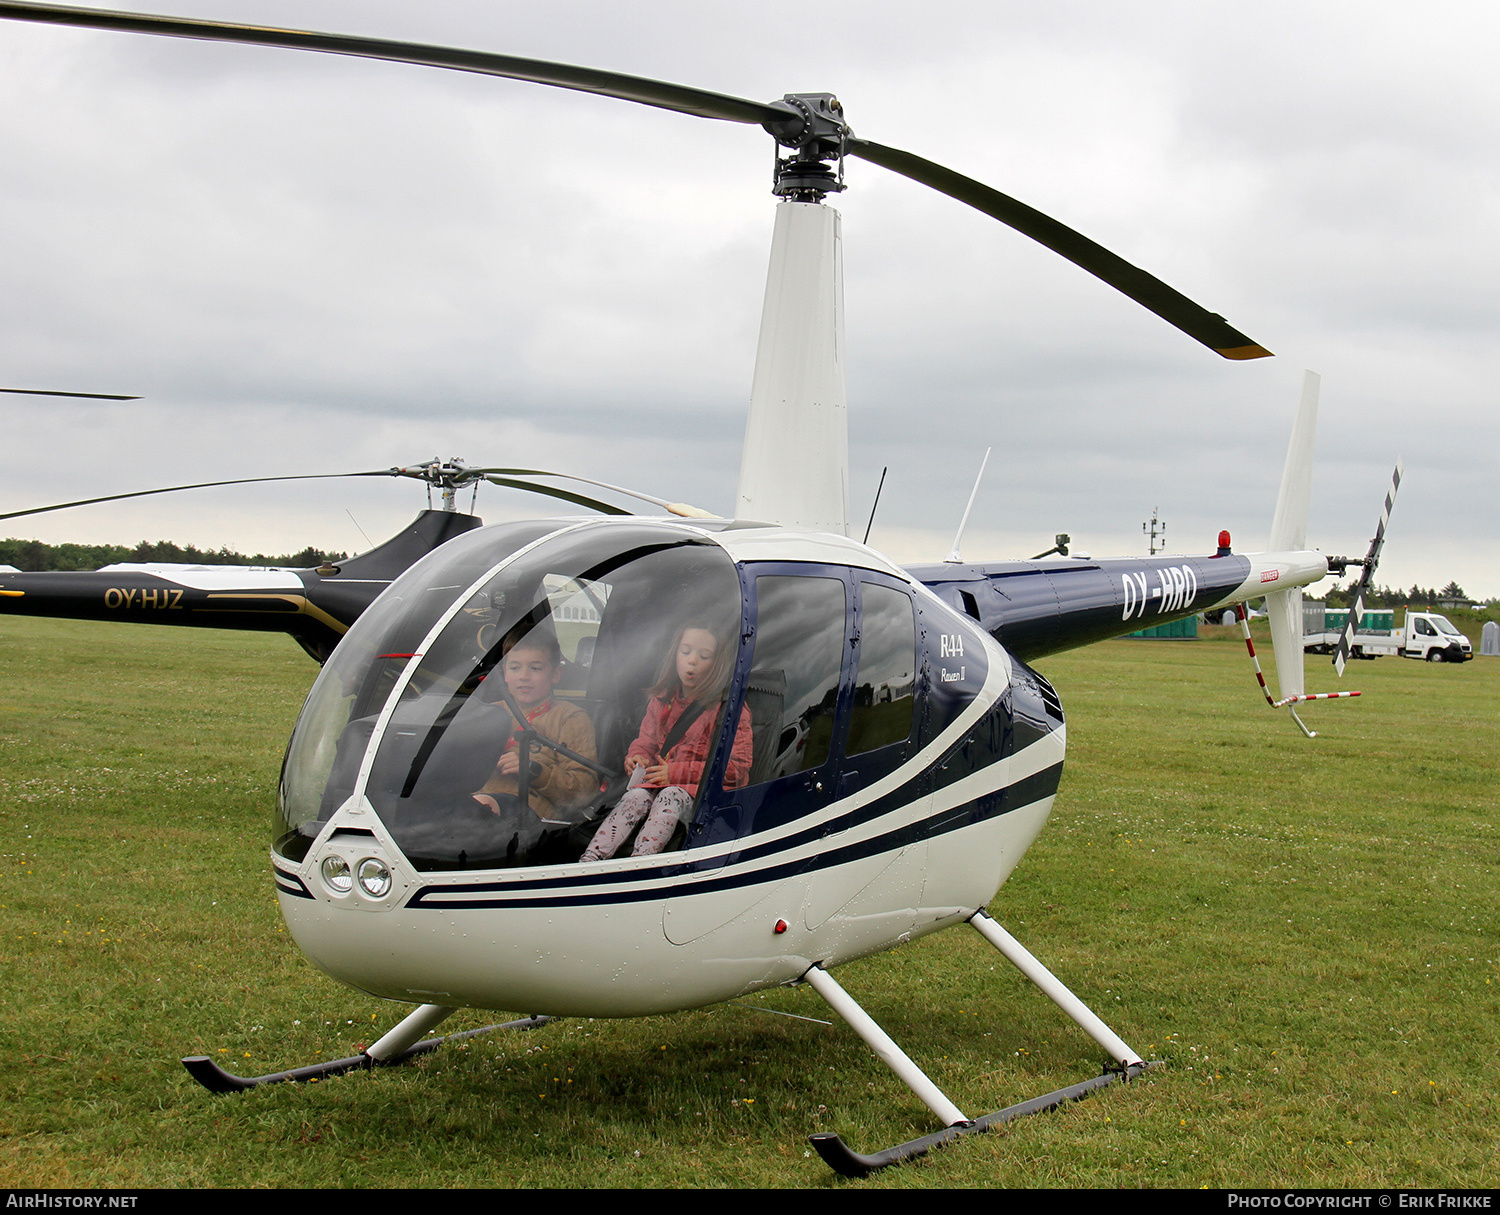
{"points": [[903, 754]]}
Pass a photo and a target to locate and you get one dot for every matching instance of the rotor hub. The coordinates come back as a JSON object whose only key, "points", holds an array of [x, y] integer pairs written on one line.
{"points": [[446, 476], [815, 129]]}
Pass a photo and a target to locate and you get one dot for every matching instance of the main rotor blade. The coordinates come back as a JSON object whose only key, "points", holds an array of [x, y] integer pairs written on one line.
{"points": [[172, 489], [1172, 306], [48, 392], [783, 119], [681, 98], [566, 495], [546, 491], [684, 509]]}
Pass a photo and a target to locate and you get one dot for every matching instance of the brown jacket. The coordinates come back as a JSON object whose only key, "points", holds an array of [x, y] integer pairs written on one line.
{"points": [[561, 783]]}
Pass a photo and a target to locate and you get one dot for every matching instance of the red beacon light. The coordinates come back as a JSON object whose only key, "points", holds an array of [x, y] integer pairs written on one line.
{"points": [[1223, 545]]}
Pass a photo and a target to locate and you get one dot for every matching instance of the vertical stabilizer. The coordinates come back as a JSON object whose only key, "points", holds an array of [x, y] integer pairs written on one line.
{"points": [[1289, 527], [795, 466], [1289, 533]]}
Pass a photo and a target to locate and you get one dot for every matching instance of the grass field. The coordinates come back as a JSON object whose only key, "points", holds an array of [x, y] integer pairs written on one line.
{"points": [[1304, 932]]}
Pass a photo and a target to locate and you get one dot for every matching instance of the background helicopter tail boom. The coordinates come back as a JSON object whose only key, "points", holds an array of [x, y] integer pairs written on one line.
{"points": [[316, 606]]}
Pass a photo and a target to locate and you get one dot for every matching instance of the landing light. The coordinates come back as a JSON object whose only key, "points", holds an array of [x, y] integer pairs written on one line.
{"points": [[337, 876], [374, 877]]}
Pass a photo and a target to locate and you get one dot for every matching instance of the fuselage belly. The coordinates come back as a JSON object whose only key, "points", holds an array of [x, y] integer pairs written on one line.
{"points": [[671, 951]]}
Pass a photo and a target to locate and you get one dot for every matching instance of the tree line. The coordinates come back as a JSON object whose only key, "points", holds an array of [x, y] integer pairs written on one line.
{"points": [[1387, 597], [34, 555]]}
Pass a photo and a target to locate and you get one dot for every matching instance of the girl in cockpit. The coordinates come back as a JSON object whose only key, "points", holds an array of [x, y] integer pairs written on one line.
{"points": [[667, 759]]}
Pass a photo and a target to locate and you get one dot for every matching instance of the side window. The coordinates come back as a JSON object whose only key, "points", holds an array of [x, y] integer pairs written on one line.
{"points": [[793, 688], [885, 686]]}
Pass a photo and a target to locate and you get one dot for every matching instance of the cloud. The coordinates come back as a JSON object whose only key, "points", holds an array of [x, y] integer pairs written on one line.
{"points": [[306, 262]]}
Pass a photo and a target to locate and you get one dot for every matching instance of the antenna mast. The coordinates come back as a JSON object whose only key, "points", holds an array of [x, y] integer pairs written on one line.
{"points": [[1155, 530]]}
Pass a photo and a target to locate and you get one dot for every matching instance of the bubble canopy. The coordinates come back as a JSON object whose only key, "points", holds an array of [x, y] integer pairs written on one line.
{"points": [[483, 704]]}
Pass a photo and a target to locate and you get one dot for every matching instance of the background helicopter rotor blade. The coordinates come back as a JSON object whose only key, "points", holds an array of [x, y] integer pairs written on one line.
{"points": [[172, 489], [791, 121], [50, 392], [553, 492], [1145, 289], [458, 474], [548, 491], [676, 508]]}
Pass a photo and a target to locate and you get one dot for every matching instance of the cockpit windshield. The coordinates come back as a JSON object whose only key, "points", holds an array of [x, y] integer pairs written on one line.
{"points": [[489, 705]]}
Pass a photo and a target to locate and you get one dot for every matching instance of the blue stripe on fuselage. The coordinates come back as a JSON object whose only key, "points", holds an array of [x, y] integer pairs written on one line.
{"points": [[1024, 792]]}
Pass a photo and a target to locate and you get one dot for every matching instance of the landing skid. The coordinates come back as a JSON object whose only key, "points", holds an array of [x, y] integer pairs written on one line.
{"points": [[843, 1159], [850, 1163], [391, 1051]]}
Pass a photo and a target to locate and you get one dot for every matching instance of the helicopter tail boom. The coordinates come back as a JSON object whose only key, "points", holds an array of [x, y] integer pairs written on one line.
{"points": [[1040, 607], [1037, 608]]}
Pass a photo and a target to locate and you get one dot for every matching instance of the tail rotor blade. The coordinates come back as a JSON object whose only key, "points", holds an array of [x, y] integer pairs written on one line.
{"points": [[1367, 575]]}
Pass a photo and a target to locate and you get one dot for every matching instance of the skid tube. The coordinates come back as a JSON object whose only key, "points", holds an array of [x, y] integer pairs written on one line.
{"points": [[842, 1159], [214, 1078]]}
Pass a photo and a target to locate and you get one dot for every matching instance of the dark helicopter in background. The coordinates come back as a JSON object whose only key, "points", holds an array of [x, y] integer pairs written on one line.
{"points": [[314, 605], [901, 756]]}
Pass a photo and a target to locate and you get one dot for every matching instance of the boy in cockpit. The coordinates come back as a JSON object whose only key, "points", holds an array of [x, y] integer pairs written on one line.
{"points": [[531, 669]]}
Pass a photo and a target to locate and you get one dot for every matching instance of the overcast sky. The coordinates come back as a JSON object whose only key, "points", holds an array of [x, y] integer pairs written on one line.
{"points": [[313, 264]]}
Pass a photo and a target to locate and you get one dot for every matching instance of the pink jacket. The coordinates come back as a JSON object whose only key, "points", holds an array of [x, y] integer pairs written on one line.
{"points": [[685, 763]]}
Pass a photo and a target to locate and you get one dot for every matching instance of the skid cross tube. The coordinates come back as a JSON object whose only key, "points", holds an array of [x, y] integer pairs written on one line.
{"points": [[392, 1050], [880, 1042], [1084, 1016]]}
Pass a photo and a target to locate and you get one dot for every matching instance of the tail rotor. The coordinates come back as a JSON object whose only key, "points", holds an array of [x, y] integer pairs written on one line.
{"points": [[1289, 533], [1366, 577]]}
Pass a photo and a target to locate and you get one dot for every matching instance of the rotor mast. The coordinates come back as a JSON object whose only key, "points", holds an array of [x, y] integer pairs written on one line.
{"points": [[794, 469]]}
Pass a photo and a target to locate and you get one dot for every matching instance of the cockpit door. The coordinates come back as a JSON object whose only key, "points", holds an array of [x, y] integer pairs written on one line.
{"points": [[794, 677]]}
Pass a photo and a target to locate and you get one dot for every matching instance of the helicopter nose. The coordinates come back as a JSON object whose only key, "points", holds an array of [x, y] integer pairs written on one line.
{"points": [[354, 872]]}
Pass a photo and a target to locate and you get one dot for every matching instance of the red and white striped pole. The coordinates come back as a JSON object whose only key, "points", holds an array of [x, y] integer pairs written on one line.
{"points": [[1290, 701]]}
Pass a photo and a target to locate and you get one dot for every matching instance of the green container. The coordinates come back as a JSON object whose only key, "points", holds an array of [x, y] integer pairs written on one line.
{"points": [[1373, 619], [1178, 630]]}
